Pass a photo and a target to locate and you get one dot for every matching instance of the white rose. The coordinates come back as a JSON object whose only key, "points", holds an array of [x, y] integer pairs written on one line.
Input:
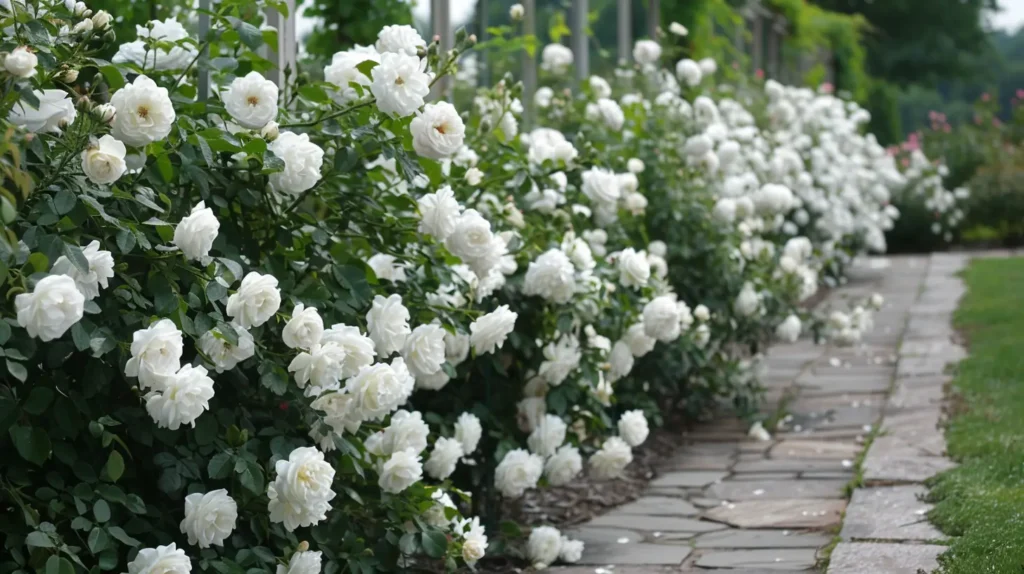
{"points": [[444, 457], [530, 411], [209, 518], [55, 111], [400, 39], [563, 466], [601, 186], [561, 358], [302, 162], [744, 207], [103, 163], [101, 268], [572, 550], [359, 349], [579, 252], [437, 131], [400, 82], [407, 431], [388, 324], [344, 70], [468, 432], [181, 397], [646, 52], [105, 113], [517, 472], [708, 67], [144, 113], [160, 560], [339, 412], [400, 471], [488, 333], [662, 318], [456, 347], [639, 342], [196, 232], [701, 335], [600, 87], [634, 270], [301, 493], [789, 330], [621, 361], [321, 366], [635, 165], [556, 58], [251, 100], [224, 355], [304, 329], [725, 210], [54, 305], [381, 388], [678, 29], [773, 198], [758, 432], [543, 546], [543, 96], [102, 19], [474, 176], [439, 212], [305, 562], [748, 301], [435, 515], [516, 12], [424, 350], [689, 71], [156, 351], [548, 435], [21, 62], [169, 31], [474, 542], [473, 241], [551, 276], [611, 460], [876, 301], [256, 301], [434, 382], [386, 267], [701, 313], [633, 427], [608, 112]]}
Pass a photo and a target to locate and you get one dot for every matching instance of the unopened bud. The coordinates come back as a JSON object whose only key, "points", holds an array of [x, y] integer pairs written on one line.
{"points": [[302, 547], [80, 8], [69, 76], [516, 12], [82, 27], [437, 37], [270, 131], [471, 40], [87, 13], [101, 19], [105, 113]]}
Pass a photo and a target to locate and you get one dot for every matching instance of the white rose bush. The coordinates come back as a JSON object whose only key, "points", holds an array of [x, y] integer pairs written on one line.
{"points": [[335, 325]]}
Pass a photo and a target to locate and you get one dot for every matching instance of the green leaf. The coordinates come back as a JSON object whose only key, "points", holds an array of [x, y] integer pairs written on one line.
{"points": [[220, 465], [115, 465], [251, 477], [101, 510], [272, 163], [215, 291], [125, 240], [81, 523], [76, 257], [38, 400], [122, 536], [314, 93], [32, 443], [81, 338], [64, 201], [164, 166], [249, 34], [98, 540], [5, 331], [39, 540], [39, 261], [59, 565], [409, 543], [435, 543], [365, 66], [113, 77]]}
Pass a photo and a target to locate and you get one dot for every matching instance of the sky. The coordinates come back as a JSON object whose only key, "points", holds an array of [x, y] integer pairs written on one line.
{"points": [[1011, 17]]}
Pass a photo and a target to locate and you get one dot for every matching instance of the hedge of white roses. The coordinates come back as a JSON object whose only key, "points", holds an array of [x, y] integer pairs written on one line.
{"points": [[329, 326]]}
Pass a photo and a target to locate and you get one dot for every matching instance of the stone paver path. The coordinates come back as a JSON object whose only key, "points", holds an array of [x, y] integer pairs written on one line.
{"points": [[728, 503]]}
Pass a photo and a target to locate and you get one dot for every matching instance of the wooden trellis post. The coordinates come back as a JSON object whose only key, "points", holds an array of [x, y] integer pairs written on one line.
{"points": [[529, 75], [441, 24], [203, 81], [285, 54], [580, 48], [483, 68], [653, 18], [625, 32]]}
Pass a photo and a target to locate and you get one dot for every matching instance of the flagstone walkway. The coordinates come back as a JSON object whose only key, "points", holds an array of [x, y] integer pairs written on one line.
{"points": [[728, 503]]}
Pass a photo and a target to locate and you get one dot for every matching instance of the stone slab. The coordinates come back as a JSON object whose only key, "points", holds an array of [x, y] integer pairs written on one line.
{"points": [[654, 523], [761, 538], [659, 506], [819, 449], [783, 559], [878, 468], [596, 535], [888, 513], [776, 489], [689, 478], [659, 554], [779, 513], [788, 465], [864, 557]]}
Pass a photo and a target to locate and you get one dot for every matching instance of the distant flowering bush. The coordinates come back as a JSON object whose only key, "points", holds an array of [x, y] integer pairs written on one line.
{"points": [[316, 326]]}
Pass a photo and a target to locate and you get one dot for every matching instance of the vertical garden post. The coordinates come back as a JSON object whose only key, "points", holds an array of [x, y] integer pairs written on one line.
{"points": [[529, 60], [441, 24], [285, 54], [653, 18], [580, 49], [625, 31], [203, 80]]}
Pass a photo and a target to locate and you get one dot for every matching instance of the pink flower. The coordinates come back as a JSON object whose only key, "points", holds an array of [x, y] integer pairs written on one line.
{"points": [[827, 87], [759, 74]]}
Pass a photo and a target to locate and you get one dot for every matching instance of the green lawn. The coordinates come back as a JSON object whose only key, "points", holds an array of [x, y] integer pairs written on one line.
{"points": [[981, 502]]}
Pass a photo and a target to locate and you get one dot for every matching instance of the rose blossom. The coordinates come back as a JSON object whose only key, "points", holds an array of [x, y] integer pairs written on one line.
{"points": [[103, 163], [488, 333], [304, 329], [256, 301], [156, 351], [180, 397], [302, 162], [251, 100], [54, 305], [101, 268], [301, 494], [400, 471], [209, 518], [563, 466], [517, 472], [444, 457], [388, 324], [437, 131], [144, 113], [196, 232]]}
